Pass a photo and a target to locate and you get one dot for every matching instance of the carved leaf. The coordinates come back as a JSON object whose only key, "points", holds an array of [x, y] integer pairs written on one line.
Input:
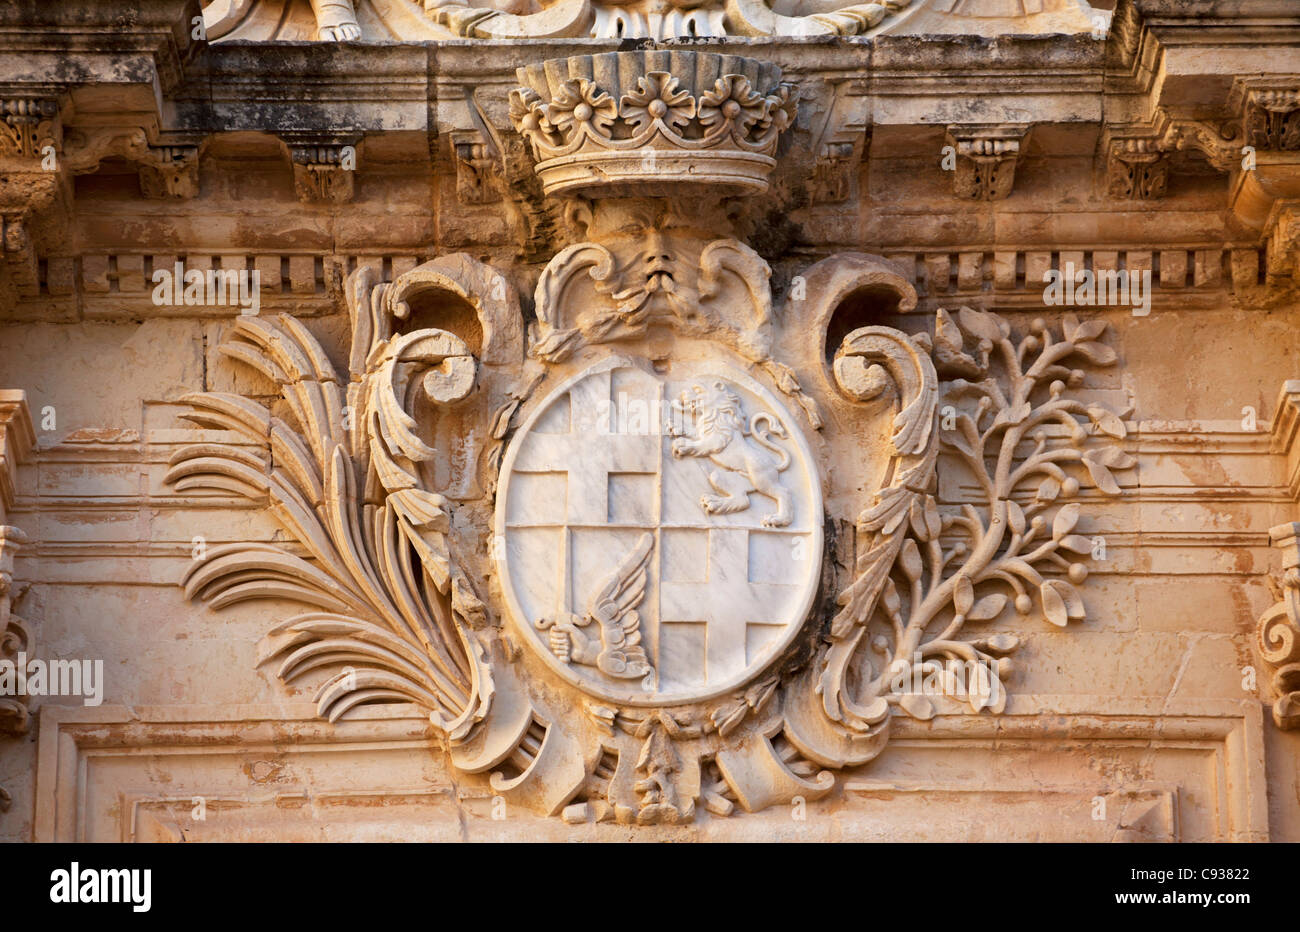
{"points": [[1088, 330], [1065, 520], [1076, 543], [1101, 476], [948, 355], [1097, 353], [1053, 605], [1014, 414], [1016, 517], [381, 634], [889, 598], [1107, 422], [910, 560], [926, 523], [917, 706], [989, 607], [982, 325], [1061, 602], [888, 513], [1111, 456]]}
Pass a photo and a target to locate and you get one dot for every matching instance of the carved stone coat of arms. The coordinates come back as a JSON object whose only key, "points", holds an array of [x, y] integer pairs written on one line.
{"points": [[666, 548]]}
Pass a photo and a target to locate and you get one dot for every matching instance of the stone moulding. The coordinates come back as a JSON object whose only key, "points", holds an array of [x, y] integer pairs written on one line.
{"points": [[653, 122], [94, 764]]}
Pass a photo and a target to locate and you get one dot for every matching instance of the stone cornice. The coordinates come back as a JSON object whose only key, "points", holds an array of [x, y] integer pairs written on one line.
{"points": [[176, 94], [65, 45]]}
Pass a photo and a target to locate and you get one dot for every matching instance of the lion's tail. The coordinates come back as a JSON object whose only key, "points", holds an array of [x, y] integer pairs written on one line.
{"points": [[764, 436]]}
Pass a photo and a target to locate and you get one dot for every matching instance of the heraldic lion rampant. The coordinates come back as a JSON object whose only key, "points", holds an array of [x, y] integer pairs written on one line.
{"points": [[747, 458]]}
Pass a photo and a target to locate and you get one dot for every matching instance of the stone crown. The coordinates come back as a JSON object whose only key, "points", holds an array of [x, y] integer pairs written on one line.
{"points": [[653, 122]]}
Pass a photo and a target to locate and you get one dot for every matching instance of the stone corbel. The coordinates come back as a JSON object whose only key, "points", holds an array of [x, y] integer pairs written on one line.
{"points": [[323, 167], [170, 172], [986, 158], [1138, 156], [30, 124], [1136, 169], [1271, 117], [1266, 192], [166, 169], [477, 166]]}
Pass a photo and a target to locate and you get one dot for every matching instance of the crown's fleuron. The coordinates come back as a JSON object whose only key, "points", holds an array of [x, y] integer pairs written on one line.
{"points": [[653, 122]]}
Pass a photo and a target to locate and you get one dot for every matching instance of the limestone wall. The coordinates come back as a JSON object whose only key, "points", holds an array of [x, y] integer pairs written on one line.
{"points": [[1156, 717]]}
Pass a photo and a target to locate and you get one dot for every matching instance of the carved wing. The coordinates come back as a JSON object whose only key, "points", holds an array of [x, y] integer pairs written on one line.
{"points": [[623, 589]]}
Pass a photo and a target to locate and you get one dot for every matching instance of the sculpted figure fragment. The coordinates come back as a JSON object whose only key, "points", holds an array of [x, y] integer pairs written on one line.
{"points": [[415, 21]]}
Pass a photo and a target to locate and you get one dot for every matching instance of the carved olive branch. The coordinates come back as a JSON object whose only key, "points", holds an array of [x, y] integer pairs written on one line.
{"points": [[1006, 545]]}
